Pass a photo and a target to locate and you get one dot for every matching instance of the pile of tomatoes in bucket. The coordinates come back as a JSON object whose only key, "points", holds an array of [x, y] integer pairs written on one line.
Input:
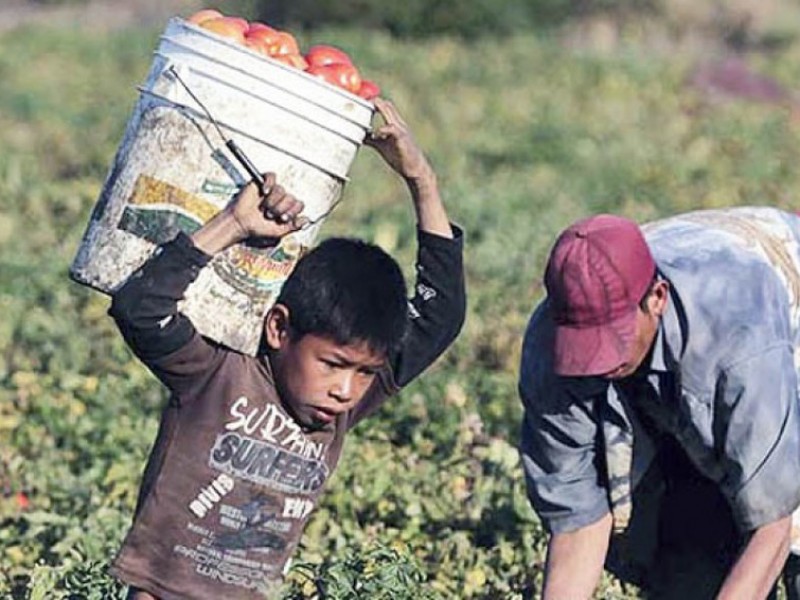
{"points": [[327, 62]]}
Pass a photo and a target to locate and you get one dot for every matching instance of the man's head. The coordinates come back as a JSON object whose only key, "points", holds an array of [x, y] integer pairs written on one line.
{"points": [[605, 297], [341, 312]]}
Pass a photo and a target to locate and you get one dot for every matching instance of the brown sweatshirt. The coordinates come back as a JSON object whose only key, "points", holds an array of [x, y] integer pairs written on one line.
{"points": [[232, 479]]}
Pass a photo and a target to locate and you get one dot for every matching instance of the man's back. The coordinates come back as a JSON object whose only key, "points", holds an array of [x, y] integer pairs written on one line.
{"points": [[736, 271]]}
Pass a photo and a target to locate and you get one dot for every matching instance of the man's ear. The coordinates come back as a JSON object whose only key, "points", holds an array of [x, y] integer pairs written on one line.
{"points": [[276, 326], [659, 297]]}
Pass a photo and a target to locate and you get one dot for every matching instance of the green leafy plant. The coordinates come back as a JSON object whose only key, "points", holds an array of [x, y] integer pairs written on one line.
{"points": [[375, 571], [526, 135], [76, 581]]}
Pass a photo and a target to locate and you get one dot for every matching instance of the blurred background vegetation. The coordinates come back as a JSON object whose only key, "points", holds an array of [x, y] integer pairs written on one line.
{"points": [[534, 113]]}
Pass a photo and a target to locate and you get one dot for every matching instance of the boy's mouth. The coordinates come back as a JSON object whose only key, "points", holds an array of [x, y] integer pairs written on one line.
{"points": [[323, 415]]}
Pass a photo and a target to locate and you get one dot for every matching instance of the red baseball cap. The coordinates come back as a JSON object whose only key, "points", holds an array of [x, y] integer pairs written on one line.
{"points": [[598, 271]]}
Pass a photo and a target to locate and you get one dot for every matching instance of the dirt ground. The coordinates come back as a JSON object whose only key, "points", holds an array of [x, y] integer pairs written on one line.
{"points": [[94, 14]]}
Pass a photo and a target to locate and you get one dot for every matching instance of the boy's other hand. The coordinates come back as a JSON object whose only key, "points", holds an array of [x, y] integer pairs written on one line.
{"points": [[273, 215], [394, 142]]}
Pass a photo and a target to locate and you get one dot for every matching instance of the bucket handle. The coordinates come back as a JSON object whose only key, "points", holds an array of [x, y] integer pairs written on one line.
{"points": [[171, 72]]}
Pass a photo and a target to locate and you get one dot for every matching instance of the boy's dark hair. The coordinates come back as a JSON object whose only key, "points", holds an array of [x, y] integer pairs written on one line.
{"points": [[349, 291]]}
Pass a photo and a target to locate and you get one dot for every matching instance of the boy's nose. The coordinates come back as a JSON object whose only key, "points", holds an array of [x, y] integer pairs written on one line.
{"points": [[343, 390]]}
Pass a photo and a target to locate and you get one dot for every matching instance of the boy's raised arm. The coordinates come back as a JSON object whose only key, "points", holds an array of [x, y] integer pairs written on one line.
{"points": [[438, 306], [394, 142], [146, 306]]}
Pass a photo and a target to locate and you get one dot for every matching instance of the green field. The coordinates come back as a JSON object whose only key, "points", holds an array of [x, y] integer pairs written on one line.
{"points": [[527, 133]]}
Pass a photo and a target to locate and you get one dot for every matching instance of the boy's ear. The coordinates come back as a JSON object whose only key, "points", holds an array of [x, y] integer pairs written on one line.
{"points": [[276, 326]]}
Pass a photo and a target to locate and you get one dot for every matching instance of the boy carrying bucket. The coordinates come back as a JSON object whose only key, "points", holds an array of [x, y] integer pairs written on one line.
{"points": [[246, 444]]}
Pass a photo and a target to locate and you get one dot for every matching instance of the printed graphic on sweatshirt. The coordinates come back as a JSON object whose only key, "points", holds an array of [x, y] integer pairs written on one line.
{"points": [[252, 543], [266, 464], [271, 424], [265, 446], [209, 496], [220, 558], [253, 525], [245, 520]]}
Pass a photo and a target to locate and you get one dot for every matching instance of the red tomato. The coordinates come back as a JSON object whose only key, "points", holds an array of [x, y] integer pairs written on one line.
{"points": [[284, 43], [23, 502], [369, 89], [204, 15], [231, 27], [257, 43], [243, 23], [256, 26], [238, 22], [342, 75], [271, 41], [327, 55], [293, 60]]}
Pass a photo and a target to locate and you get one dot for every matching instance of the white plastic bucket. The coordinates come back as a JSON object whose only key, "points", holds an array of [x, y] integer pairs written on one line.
{"points": [[173, 172]]}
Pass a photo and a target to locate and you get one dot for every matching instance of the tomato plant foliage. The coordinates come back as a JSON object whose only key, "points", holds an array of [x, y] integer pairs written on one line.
{"points": [[429, 501]]}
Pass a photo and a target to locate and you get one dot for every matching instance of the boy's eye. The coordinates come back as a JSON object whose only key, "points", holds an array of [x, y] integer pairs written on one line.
{"points": [[332, 364]]}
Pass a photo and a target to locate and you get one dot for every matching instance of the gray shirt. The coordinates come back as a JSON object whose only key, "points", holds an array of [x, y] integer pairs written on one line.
{"points": [[722, 379]]}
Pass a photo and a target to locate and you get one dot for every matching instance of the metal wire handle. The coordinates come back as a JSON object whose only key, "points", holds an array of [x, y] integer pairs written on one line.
{"points": [[239, 154]]}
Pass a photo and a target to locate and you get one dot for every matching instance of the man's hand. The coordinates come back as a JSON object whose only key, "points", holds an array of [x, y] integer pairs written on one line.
{"points": [[252, 216]]}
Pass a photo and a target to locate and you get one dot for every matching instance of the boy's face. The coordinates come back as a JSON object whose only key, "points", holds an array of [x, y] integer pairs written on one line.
{"points": [[316, 377]]}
